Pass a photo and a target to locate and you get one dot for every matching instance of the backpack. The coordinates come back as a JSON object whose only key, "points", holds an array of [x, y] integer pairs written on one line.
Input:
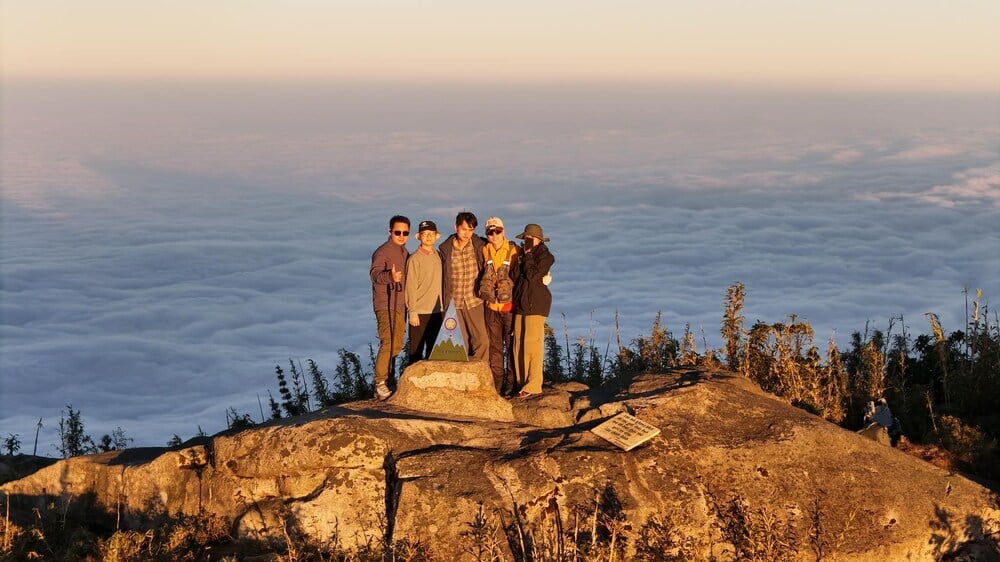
{"points": [[496, 286]]}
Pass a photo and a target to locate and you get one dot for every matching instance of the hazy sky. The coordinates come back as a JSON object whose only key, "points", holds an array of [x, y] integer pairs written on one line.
{"points": [[847, 44]]}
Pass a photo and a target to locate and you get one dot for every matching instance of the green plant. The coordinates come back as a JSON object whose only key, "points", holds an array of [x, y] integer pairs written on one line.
{"points": [[321, 388], [51, 533], [821, 539], [942, 351], [12, 444], [552, 362], [975, 449], [587, 365], [294, 397], [658, 352], [114, 442], [659, 540], [189, 536], [689, 348], [236, 420], [732, 324], [126, 546], [758, 535], [832, 390], [352, 380], [483, 537], [274, 406], [73, 439], [870, 375]]}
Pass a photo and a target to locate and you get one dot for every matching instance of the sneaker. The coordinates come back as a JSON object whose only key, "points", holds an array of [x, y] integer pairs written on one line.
{"points": [[382, 391]]}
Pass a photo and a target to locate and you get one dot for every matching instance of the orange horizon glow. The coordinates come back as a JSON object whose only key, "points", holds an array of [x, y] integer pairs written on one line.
{"points": [[892, 45]]}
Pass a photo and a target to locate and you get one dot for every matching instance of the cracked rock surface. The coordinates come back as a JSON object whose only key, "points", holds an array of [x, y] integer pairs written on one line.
{"points": [[395, 470]]}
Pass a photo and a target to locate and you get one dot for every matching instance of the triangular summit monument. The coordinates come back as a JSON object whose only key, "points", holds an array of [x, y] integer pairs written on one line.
{"points": [[450, 343]]}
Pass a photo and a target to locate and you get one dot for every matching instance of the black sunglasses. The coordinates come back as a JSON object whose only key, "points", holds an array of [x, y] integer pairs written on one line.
{"points": [[401, 232], [493, 231]]}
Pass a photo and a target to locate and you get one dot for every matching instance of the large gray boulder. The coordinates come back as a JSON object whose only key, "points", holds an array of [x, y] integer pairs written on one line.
{"points": [[454, 388], [732, 469]]}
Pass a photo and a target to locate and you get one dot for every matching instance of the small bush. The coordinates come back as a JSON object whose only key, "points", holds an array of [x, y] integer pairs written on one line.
{"points": [[660, 541], [126, 546], [190, 533], [974, 448]]}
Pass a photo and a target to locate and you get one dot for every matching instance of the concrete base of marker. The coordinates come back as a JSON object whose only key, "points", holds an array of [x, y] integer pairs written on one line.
{"points": [[460, 388]]}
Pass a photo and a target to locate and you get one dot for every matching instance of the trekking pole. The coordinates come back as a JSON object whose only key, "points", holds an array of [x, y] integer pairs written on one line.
{"points": [[394, 290]]}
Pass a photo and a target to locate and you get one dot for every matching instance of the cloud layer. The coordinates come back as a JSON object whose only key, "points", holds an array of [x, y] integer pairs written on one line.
{"points": [[161, 252]]}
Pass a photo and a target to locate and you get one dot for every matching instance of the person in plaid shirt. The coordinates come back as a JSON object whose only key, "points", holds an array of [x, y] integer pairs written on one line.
{"points": [[462, 259]]}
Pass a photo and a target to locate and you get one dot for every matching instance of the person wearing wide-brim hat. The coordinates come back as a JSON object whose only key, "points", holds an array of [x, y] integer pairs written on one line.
{"points": [[532, 304]]}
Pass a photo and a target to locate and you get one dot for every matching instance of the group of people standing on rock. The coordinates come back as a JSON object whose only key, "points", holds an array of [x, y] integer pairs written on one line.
{"points": [[500, 291]]}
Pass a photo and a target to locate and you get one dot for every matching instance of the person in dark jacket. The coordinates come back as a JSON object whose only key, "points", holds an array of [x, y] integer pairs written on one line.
{"points": [[388, 274], [532, 304]]}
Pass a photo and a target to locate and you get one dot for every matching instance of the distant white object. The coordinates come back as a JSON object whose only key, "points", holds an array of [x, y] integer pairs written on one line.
{"points": [[878, 415], [878, 412]]}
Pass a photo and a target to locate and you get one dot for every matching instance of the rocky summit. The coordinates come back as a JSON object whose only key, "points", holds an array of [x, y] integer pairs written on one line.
{"points": [[733, 474]]}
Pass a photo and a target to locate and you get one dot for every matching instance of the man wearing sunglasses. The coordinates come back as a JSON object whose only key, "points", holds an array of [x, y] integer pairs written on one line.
{"points": [[462, 259], [496, 287], [388, 274]]}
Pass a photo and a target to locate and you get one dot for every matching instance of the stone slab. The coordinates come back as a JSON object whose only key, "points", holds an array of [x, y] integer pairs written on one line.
{"points": [[452, 388], [626, 431]]}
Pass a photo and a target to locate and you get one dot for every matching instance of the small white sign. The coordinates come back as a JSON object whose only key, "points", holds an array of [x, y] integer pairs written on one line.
{"points": [[626, 431]]}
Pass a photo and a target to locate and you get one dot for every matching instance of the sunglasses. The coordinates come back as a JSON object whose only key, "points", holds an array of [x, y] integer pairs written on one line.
{"points": [[401, 232], [493, 231]]}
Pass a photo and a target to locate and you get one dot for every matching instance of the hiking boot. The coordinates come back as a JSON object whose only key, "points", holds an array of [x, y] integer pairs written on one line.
{"points": [[382, 391]]}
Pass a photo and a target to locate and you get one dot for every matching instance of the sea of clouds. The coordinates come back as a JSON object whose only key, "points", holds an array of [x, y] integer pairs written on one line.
{"points": [[163, 246]]}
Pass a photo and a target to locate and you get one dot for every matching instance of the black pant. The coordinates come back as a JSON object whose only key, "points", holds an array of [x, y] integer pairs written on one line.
{"points": [[422, 337], [500, 326]]}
